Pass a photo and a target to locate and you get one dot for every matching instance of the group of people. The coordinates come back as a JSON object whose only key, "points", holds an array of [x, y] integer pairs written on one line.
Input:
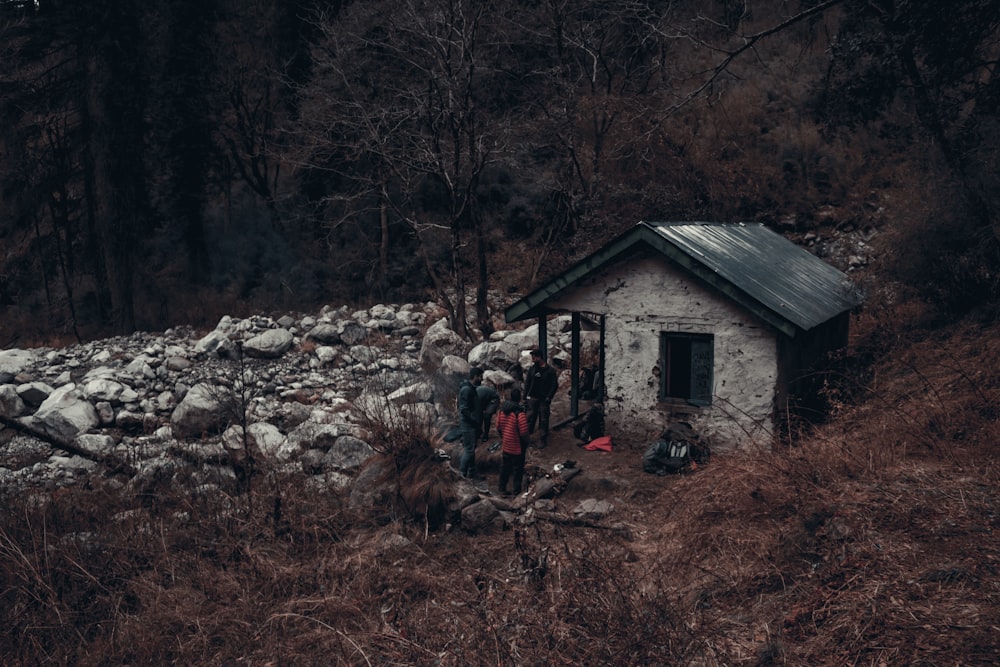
{"points": [[515, 421]]}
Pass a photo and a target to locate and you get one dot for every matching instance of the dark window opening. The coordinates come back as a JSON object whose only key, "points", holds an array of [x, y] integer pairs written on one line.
{"points": [[686, 362]]}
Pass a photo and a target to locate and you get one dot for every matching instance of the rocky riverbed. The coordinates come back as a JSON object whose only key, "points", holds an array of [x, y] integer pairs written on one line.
{"points": [[300, 393]]}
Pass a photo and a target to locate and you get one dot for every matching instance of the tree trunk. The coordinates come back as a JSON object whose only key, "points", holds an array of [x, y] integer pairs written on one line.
{"points": [[459, 322], [482, 288], [383, 249]]}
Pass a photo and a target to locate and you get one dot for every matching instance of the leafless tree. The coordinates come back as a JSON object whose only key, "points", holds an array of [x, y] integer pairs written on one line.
{"points": [[400, 109]]}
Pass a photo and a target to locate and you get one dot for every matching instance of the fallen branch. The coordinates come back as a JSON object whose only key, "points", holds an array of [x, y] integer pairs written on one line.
{"points": [[545, 487], [554, 485], [524, 504], [564, 520], [31, 431], [567, 421]]}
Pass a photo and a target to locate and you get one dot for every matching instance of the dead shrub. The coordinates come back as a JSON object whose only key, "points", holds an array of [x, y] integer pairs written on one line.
{"points": [[821, 553], [426, 488], [942, 253], [420, 484], [308, 346]]}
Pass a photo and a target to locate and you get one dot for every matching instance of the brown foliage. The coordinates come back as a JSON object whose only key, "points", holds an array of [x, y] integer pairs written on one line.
{"points": [[869, 541]]}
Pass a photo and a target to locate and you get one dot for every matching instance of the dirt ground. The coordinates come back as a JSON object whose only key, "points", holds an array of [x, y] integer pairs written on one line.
{"points": [[603, 475]]}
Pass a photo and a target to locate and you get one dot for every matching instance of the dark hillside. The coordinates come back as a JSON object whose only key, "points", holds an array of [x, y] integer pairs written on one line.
{"points": [[865, 131], [309, 153], [870, 541]]}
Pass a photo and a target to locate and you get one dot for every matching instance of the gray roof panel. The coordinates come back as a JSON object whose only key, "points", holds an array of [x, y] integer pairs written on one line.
{"points": [[780, 275], [781, 282]]}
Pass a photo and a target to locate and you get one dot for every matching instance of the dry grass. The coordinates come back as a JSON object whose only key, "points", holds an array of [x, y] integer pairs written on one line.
{"points": [[871, 541]]}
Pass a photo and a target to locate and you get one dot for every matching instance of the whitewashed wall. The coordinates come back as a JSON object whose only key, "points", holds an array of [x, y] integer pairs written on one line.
{"points": [[647, 296]]}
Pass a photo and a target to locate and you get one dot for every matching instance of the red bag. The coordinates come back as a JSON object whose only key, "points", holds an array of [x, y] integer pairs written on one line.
{"points": [[602, 444]]}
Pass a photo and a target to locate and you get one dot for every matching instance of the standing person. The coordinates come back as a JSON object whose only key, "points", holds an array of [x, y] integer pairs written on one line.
{"points": [[470, 421], [489, 402], [540, 388], [512, 423]]}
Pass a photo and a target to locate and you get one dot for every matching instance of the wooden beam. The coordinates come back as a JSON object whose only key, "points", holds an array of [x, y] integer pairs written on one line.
{"points": [[543, 337], [68, 447], [600, 364], [574, 394]]}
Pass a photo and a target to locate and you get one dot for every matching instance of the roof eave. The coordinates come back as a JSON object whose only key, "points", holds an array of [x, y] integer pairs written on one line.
{"points": [[533, 305]]}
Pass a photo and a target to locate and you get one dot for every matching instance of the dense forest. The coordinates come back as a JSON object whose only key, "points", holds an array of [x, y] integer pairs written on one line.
{"points": [[173, 161], [166, 163]]}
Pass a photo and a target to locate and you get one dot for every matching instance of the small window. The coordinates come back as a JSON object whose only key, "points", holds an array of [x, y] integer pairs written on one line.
{"points": [[686, 362]]}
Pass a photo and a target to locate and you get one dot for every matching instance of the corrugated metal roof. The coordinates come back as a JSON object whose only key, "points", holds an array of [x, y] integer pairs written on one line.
{"points": [[783, 283], [782, 276]]}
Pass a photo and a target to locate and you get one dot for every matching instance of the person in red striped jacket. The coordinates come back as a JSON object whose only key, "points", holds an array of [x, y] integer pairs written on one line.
{"points": [[512, 423]]}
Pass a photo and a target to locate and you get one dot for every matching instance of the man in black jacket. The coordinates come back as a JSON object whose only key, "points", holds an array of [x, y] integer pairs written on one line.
{"points": [[539, 389], [489, 403], [470, 421]]}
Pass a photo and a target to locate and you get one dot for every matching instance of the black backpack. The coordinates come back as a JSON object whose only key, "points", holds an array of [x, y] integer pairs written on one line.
{"points": [[667, 457]]}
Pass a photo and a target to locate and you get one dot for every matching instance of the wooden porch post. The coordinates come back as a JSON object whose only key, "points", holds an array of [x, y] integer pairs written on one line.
{"points": [[600, 365], [574, 395], [543, 336]]}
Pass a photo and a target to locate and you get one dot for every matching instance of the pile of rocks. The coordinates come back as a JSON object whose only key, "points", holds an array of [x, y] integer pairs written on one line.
{"points": [[307, 389]]}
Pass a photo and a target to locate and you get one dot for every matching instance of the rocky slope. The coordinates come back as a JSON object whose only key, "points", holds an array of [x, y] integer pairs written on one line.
{"points": [[309, 391]]}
